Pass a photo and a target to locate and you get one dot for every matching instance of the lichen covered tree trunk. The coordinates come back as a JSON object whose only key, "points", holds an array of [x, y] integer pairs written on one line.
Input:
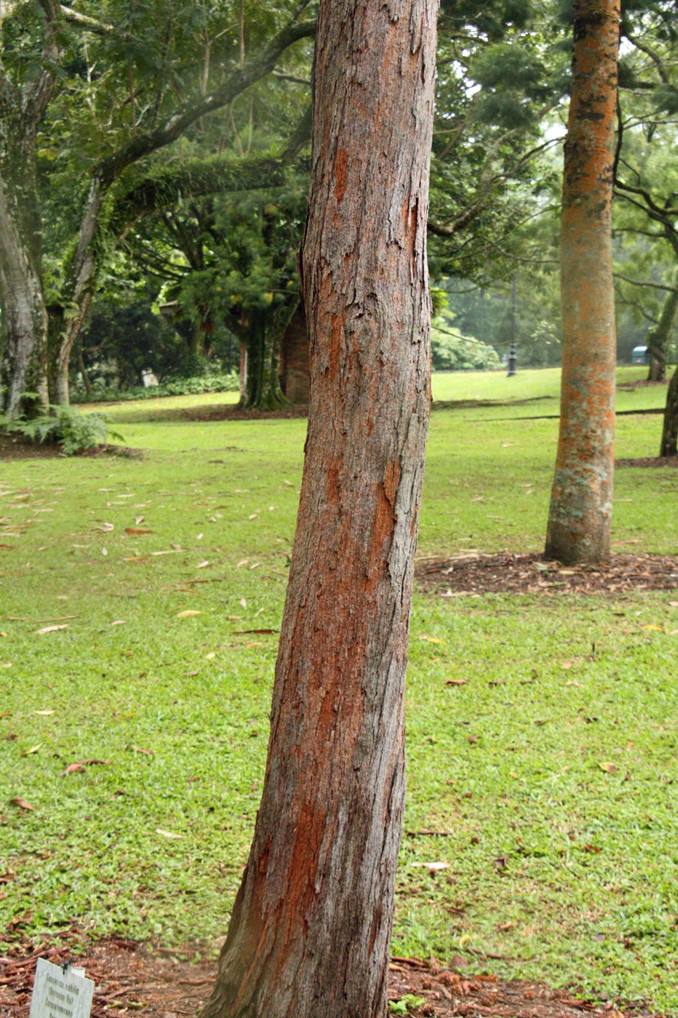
{"points": [[310, 929], [581, 500], [659, 338], [262, 387], [669, 444], [24, 316]]}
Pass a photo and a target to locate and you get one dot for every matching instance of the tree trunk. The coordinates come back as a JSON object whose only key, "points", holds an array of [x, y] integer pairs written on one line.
{"points": [[81, 280], [581, 499], [263, 390], [669, 446], [21, 292], [311, 925], [659, 338]]}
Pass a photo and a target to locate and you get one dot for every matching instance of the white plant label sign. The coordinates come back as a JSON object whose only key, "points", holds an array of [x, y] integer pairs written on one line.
{"points": [[60, 994]]}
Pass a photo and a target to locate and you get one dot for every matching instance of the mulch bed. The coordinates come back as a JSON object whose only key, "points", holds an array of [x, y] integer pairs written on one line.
{"points": [[130, 978], [508, 573], [649, 461]]}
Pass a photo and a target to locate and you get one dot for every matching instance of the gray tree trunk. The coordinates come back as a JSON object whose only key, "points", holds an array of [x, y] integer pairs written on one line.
{"points": [[21, 292], [310, 930], [669, 443], [659, 338]]}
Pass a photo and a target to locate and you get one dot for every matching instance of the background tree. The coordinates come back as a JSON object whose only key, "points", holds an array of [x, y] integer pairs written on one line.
{"points": [[580, 512], [310, 929], [114, 107]]}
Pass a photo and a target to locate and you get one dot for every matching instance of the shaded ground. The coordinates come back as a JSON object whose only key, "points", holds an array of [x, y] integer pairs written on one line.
{"points": [[16, 447], [130, 979], [649, 461], [508, 573]]}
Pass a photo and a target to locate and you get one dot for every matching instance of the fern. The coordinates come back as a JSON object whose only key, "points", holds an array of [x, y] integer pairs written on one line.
{"points": [[73, 430]]}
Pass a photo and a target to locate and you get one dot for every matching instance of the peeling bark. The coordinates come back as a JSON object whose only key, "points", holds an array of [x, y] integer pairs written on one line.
{"points": [[581, 500], [310, 930]]}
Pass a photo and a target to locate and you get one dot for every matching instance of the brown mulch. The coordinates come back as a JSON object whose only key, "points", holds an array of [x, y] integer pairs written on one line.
{"points": [[648, 461], [130, 978], [508, 573], [642, 383], [16, 447]]}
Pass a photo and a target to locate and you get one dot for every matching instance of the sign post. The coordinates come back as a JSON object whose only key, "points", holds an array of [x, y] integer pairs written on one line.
{"points": [[61, 992]]}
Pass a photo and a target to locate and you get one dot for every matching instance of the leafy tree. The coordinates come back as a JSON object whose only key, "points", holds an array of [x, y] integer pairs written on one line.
{"points": [[109, 84]]}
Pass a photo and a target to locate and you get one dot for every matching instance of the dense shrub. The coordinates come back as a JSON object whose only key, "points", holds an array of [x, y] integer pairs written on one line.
{"points": [[171, 387], [451, 350]]}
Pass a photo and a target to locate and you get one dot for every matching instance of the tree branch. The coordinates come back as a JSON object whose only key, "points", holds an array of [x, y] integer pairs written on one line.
{"points": [[37, 95], [238, 81], [91, 24], [646, 283]]}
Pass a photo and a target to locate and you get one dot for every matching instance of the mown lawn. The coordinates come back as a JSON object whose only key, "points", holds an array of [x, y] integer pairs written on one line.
{"points": [[550, 775]]}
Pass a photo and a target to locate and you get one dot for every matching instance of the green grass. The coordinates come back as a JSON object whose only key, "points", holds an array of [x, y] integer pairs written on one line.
{"points": [[558, 869]]}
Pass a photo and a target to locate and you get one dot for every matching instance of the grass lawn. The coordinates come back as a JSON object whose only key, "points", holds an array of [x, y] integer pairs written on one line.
{"points": [[549, 776]]}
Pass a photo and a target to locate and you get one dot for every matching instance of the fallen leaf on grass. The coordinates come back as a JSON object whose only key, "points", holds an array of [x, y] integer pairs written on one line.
{"points": [[106, 528], [243, 602], [202, 565], [81, 765], [609, 768], [433, 867], [43, 713], [188, 614], [21, 803], [33, 749], [168, 834], [653, 628], [119, 622], [137, 531], [431, 639], [456, 682], [566, 664], [50, 629], [140, 749]]}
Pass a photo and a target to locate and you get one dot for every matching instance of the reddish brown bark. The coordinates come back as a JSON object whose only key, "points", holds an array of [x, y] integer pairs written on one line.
{"points": [[310, 930], [581, 500]]}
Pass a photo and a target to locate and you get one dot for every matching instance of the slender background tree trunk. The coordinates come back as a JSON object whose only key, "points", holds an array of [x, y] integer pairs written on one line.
{"points": [[581, 500], [669, 444], [659, 338], [310, 930]]}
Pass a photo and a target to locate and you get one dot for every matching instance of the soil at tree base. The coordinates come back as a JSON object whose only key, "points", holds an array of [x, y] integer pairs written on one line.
{"points": [[131, 977], [15, 447], [508, 573]]}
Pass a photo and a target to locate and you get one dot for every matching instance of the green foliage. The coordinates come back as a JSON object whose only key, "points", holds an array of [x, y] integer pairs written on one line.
{"points": [[451, 350], [65, 426], [229, 382], [406, 1004]]}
